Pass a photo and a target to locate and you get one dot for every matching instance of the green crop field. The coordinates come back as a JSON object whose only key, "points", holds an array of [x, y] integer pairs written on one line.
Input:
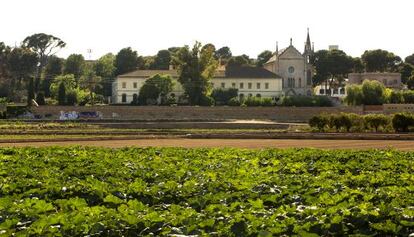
{"points": [[207, 192]]}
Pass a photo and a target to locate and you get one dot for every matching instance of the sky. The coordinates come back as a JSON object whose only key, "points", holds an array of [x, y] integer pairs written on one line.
{"points": [[246, 26]]}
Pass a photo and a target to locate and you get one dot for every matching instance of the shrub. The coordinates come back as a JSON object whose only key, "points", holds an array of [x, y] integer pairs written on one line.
{"points": [[402, 121], [319, 122], [71, 98], [252, 101], [266, 102], [234, 102], [223, 96], [373, 92], [408, 97], [14, 111], [306, 101], [376, 121], [207, 101], [396, 97]]}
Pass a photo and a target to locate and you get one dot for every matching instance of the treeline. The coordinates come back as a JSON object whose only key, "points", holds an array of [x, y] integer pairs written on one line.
{"points": [[349, 122]]}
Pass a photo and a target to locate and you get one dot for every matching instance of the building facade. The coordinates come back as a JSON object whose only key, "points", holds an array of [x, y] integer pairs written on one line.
{"points": [[250, 81], [389, 79], [294, 67]]}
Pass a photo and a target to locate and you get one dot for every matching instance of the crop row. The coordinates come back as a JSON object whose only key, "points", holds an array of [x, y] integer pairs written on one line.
{"points": [[209, 192]]}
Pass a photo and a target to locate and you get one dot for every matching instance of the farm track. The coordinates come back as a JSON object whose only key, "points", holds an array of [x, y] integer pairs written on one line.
{"points": [[235, 143]]}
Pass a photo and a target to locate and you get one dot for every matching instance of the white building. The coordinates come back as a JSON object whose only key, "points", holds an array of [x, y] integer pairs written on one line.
{"points": [[294, 68], [250, 81]]}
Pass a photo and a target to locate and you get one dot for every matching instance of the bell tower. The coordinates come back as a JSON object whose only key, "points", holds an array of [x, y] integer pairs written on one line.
{"points": [[308, 53]]}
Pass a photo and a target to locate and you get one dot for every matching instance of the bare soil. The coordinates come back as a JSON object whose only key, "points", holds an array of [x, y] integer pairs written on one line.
{"points": [[236, 143]]}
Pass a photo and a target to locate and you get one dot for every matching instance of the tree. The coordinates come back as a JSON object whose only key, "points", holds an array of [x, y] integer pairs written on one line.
{"points": [[62, 94], [30, 92], [196, 67], [331, 66], [91, 82], [241, 60], [54, 68], [354, 95], [67, 80], [222, 96], [380, 61], [21, 63], [358, 66], [126, 61], [376, 121], [162, 60], [155, 87], [75, 65], [373, 92], [263, 57], [410, 82], [105, 69], [410, 59], [406, 70], [43, 45], [223, 53]]}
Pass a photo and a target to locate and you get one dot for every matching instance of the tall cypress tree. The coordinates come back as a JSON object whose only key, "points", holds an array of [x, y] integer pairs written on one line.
{"points": [[62, 94]]}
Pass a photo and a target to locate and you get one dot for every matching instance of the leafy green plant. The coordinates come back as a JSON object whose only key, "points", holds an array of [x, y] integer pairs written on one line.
{"points": [[78, 191]]}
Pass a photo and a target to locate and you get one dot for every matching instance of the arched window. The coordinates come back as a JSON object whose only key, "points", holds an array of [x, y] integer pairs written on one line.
{"points": [[135, 97], [258, 95], [250, 95], [300, 83], [309, 77], [124, 98]]}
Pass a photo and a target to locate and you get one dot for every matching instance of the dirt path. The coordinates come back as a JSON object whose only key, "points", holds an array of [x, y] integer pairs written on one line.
{"points": [[237, 143]]}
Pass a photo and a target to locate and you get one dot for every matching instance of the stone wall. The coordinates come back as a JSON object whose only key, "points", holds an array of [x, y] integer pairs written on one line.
{"points": [[151, 113]]}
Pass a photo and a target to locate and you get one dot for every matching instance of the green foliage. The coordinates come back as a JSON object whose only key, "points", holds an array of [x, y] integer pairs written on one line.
{"points": [[306, 101], [207, 101], [223, 53], [78, 191], [75, 65], [369, 93], [234, 102], [376, 121], [162, 60], [401, 122], [30, 91], [241, 60], [410, 59], [14, 111], [126, 60], [62, 94], [263, 57], [252, 101], [222, 96], [410, 81], [408, 97], [155, 87], [196, 67], [373, 92], [396, 97], [71, 98], [380, 61], [319, 122]]}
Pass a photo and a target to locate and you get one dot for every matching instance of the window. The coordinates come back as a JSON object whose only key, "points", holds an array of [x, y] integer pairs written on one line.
{"points": [[223, 85], [335, 91], [123, 85], [291, 82], [321, 91], [135, 85], [309, 77], [250, 95], [291, 69], [241, 85], [300, 83], [241, 96], [342, 91], [258, 95], [266, 85], [258, 85], [233, 85], [249, 85], [124, 98]]}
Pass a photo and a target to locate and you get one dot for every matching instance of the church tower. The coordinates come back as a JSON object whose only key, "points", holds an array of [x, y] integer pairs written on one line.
{"points": [[308, 53]]}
